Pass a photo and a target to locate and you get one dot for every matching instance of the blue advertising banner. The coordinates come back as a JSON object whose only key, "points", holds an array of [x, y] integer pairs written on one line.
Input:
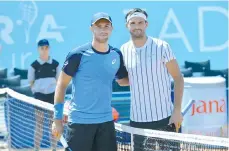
{"points": [[196, 31]]}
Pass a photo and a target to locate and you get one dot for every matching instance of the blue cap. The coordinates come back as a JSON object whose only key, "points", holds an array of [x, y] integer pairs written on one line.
{"points": [[99, 16], [43, 42]]}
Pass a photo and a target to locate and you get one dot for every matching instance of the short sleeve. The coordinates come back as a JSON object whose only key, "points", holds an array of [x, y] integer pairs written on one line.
{"points": [[72, 63], [121, 49], [167, 53], [31, 74], [122, 72]]}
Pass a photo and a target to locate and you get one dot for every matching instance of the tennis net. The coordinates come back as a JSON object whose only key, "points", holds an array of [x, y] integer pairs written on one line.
{"points": [[129, 139], [28, 122]]}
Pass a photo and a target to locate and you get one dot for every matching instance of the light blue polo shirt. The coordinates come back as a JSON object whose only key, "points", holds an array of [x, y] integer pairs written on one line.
{"points": [[93, 73]]}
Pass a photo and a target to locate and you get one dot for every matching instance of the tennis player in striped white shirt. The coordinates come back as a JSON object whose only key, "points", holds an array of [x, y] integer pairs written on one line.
{"points": [[150, 62]]}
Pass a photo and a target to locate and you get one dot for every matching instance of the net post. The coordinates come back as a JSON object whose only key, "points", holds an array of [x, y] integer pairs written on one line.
{"points": [[8, 121], [132, 140], [227, 102]]}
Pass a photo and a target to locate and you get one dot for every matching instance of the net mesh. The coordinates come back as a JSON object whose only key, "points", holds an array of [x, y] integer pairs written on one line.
{"points": [[28, 122], [150, 140], [29, 126]]}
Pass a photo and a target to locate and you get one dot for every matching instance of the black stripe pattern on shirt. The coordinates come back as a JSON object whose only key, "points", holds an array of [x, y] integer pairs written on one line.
{"points": [[137, 78], [161, 67], [128, 50], [155, 100], [157, 62], [141, 66], [147, 79]]}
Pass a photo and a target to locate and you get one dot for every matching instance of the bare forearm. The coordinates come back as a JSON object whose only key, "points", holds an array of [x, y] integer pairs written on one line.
{"points": [[62, 84], [59, 93], [178, 92]]}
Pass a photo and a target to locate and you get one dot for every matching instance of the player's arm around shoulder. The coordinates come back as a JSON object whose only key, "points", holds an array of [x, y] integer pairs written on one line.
{"points": [[123, 81], [122, 74]]}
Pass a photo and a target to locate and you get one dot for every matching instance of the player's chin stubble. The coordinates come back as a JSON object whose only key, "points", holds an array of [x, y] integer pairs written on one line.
{"points": [[102, 40], [137, 35]]}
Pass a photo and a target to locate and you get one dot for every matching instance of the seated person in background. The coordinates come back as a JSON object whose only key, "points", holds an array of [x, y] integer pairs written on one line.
{"points": [[42, 76]]}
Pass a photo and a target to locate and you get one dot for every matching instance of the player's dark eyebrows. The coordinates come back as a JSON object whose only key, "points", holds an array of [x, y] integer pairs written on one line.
{"points": [[44, 47], [135, 22]]}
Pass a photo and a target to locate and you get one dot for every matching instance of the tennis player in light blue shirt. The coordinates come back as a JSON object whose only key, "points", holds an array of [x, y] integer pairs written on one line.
{"points": [[92, 69]]}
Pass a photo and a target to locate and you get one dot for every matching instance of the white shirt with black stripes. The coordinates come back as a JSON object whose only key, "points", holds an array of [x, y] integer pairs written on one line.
{"points": [[149, 79]]}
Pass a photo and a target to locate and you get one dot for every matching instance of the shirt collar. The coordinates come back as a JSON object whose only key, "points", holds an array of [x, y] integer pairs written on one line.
{"points": [[142, 47], [42, 62]]}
